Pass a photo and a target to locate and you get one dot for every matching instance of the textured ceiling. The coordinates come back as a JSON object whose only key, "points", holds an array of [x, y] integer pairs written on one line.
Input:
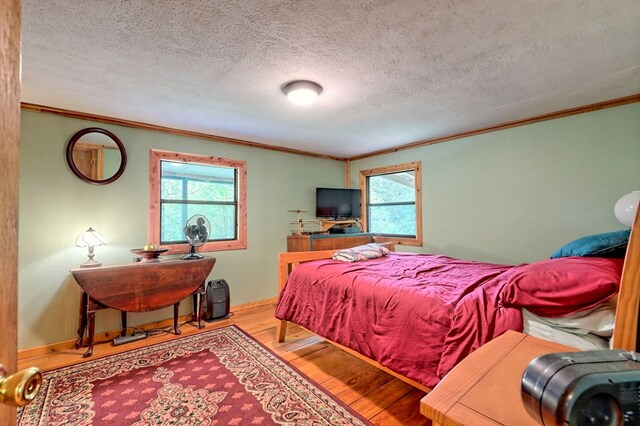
{"points": [[393, 72]]}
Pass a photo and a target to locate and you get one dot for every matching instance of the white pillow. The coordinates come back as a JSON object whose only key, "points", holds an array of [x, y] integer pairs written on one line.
{"points": [[598, 320], [585, 342], [367, 251]]}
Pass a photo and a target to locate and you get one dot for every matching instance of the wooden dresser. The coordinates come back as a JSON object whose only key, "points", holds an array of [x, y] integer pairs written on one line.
{"points": [[315, 242]]}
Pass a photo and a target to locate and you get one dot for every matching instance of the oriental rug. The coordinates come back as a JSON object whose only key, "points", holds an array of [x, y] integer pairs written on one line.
{"points": [[219, 377]]}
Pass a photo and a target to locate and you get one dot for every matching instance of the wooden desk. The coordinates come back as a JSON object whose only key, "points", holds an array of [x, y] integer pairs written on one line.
{"points": [[484, 389], [139, 287]]}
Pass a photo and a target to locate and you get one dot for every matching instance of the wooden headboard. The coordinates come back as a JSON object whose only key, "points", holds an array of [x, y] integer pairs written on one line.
{"points": [[625, 331]]}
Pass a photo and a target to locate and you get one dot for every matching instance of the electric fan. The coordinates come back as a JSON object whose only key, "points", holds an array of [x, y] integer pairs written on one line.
{"points": [[196, 231]]}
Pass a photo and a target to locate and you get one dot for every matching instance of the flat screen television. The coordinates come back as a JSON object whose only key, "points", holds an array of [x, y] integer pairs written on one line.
{"points": [[338, 203]]}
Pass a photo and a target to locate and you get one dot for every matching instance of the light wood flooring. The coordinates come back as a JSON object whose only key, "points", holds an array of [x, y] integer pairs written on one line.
{"points": [[376, 395]]}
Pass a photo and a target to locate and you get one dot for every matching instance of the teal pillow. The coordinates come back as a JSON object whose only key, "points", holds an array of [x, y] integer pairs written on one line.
{"points": [[609, 244]]}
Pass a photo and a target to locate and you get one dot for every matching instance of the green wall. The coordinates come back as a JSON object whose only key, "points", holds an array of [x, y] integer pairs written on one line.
{"points": [[516, 195], [510, 196], [56, 206]]}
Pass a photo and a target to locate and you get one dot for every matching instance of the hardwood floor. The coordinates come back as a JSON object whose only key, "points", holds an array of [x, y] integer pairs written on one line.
{"points": [[376, 395]]}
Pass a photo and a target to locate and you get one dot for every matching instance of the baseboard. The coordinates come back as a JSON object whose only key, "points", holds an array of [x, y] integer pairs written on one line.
{"points": [[245, 306], [108, 335]]}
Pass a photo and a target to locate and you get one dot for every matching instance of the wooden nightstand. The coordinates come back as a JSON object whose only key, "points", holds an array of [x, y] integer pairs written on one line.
{"points": [[484, 389]]}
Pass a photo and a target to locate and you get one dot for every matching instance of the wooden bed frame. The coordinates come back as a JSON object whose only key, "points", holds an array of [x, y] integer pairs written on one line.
{"points": [[625, 333]]}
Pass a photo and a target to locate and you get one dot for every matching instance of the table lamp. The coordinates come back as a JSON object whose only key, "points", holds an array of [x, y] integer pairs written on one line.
{"points": [[90, 238], [626, 208]]}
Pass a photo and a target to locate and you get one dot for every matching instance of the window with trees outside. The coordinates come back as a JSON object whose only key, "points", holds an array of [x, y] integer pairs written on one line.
{"points": [[393, 204], [183, 185]]}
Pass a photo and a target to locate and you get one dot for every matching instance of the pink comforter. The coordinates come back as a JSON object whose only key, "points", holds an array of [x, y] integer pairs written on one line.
{"points": [[418, 315]]}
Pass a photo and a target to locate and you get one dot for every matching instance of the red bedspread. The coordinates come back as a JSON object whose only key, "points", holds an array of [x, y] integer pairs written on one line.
{"points": [[418, 315]]}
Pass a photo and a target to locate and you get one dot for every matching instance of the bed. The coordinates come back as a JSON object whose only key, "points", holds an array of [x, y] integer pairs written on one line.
{"points": [[419, 334]]}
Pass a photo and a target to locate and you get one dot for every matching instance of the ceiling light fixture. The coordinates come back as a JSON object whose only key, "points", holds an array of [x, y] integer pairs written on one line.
{"points": [[301, 92]]}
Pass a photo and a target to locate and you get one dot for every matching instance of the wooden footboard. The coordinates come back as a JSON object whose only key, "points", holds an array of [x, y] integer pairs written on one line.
{"points": [[288, 261]]}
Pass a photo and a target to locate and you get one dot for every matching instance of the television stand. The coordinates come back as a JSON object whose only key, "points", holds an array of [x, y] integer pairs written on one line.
{"points": [[328, 224], [325, 241]]}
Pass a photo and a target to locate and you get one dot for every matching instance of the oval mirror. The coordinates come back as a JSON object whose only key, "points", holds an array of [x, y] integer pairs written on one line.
{"points": [[96, 156]]}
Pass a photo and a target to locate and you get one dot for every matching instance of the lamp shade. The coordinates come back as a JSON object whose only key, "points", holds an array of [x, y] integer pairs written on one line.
{"points": [[626, 208], [90, 238]]}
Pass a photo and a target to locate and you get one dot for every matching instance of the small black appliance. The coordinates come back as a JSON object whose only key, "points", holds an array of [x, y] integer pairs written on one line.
{"points": [[600, 388], [218, 300]]}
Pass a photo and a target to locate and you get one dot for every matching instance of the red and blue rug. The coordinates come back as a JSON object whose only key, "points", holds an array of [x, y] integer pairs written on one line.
{"points": [[219, 377]]}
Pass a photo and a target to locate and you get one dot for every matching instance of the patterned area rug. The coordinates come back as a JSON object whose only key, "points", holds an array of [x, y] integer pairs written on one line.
{"points": [[220, 377]]}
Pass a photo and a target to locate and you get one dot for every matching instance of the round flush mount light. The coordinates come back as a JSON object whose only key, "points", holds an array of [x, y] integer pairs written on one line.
{"points": [[301, 92]]}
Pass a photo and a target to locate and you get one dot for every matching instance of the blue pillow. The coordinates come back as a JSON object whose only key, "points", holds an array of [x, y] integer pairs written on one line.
{"points": [[609, 244]]}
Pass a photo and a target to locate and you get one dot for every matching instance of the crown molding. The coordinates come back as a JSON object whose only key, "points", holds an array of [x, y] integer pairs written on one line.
{"points": [[154, 127], [188, 133], [551, 116]]}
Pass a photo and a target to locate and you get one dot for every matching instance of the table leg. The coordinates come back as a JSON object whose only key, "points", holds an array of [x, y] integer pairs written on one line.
{"points": [[176, 307], [83, 320], [194, 296], [123, 316], [91, 320], [199, 308]]}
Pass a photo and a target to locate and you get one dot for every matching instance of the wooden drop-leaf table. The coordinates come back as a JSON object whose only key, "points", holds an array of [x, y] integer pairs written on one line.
{"points": [[139, 287]]}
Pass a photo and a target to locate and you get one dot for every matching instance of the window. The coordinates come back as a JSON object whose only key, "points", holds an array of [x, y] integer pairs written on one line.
{"points": [[182, 185], [393, 202]]}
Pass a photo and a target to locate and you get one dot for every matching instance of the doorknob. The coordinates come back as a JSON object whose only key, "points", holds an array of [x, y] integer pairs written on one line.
{"points": [[21, 388]]}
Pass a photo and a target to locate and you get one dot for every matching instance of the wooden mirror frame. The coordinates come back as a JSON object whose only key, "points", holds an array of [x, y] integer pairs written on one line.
{"points": [[76, 137]]}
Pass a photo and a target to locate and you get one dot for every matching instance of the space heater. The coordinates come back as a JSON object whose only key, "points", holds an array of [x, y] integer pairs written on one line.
{"points": [[218, 300]]}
